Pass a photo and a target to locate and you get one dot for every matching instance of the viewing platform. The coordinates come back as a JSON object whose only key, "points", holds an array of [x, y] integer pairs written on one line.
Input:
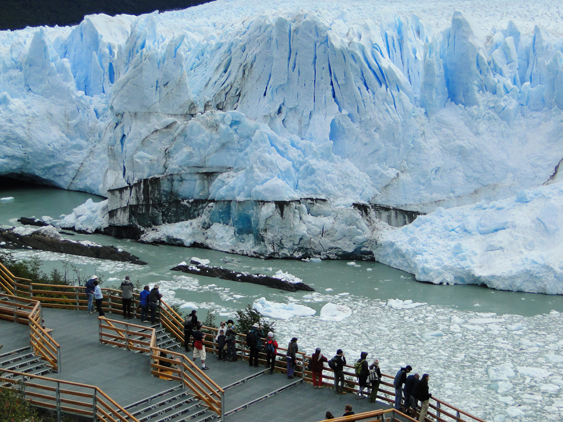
{"points": [[112, 369]]}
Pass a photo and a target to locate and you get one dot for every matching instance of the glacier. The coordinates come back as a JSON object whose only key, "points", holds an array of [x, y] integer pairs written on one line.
{"points": [[300, 130]]}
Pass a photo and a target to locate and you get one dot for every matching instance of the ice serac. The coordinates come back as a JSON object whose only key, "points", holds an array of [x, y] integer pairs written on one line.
{"points": [[285, 131]]}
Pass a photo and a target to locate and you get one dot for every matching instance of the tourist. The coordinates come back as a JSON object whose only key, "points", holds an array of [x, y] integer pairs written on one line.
{"points": [[329, 415], [190, 323], [317, 365], [199, 347], [408, 392], [144, 302], [423, 395], [126, 296], [291, 357], [271, 352], [361, 368], [154, 298], [400, 379], [348, 410], [98, 296], [254, 342], [337, 364], [90, 293], [375, 380], [221, 341], [231, 337]]}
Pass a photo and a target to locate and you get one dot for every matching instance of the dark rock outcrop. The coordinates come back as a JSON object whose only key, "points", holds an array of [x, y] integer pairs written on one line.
{"points": [[11, 240], [225, 274]]}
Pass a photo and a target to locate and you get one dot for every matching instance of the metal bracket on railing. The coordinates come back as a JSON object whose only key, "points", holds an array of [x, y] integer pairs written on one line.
{"points": [[222, 407], [109, 302], [77, 302], [127, 337], [94, 405], [58, 401], [438, 413]]}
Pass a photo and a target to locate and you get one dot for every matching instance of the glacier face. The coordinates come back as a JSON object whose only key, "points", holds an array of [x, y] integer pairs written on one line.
{"points": [[415, 106]]}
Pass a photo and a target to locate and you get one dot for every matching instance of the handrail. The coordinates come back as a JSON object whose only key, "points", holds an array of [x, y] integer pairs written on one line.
{"points": [[372, 414], [42, 343], [185, 370], [97, 398]]}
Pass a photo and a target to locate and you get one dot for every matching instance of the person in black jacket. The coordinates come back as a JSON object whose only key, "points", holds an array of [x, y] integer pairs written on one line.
{"points": [[423, 395], [338, 362], [400, 379], [190, 324], [348, 410], [408, 391], [154, 298]]}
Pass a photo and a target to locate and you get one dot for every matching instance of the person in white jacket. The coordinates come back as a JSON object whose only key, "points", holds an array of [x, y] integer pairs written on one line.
{"points": [[98, 296]]}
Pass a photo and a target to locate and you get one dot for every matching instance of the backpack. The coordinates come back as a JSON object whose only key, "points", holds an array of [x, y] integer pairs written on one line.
{"points": [[189, 324], [332, 363], [358, 367], [270, 347], [373, 374]]}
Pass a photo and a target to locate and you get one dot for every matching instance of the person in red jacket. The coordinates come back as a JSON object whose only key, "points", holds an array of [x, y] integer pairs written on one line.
{"points": [[316, 365], [271, 348]]}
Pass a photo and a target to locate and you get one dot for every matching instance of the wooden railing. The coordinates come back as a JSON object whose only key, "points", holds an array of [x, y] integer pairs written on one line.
{"points": [[41, 341], [13, 285], [28, 312], [389, 415], [82, 400], [142, 338]]}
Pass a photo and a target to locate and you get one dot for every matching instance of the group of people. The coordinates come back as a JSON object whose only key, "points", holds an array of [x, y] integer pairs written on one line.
{"points": [[409, 389], [413, 389], [149, 299]]}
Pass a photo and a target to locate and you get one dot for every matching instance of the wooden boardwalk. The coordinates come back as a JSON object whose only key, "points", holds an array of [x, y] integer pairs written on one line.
{"points": [[125, 376]]}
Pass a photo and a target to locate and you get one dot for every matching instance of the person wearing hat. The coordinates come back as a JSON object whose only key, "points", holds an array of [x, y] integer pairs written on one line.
{"points": [[254, 341], [144, 302], [271, 352], [154, 298], [126, 296], [90, 293], [317, 365], [190, 323], [291, 356]]}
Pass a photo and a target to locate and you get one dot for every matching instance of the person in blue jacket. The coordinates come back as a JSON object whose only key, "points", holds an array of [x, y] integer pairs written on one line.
{"points": [[144, 301], [90, 293]]}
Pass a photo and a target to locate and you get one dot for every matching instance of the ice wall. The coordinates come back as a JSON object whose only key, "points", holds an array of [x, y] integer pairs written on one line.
{"points": [[434, 104]]}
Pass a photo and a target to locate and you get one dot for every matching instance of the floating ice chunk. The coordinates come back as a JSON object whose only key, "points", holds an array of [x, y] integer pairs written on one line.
{"points": [[191, 305], [514, 412], [369, 269], [549, 388], [281, 310], [334, 312], [553, 358], [508, 400], [199, 261], [329, 290], [432, 334], [7, 199], [504, 387], [501, 372], [403, 304], [515, 327], [485, 320], [315, 260], [533, 372]]}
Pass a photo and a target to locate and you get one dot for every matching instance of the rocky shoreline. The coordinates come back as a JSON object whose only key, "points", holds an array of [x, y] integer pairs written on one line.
{"points": [[47, 238]]}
